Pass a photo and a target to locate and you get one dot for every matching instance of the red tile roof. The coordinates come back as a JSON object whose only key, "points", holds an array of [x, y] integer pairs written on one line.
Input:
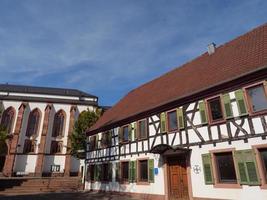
{"points": [[242, 55]]}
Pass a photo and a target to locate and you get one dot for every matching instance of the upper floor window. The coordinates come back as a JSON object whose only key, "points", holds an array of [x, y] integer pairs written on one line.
{"points": [[257, 98], [33, 123], [215, 109], [92, 143], [56, 147], [125, 133], [142, 129], [172, 120], [106, 139], [59, 122], [29, 146], [7, 119]]}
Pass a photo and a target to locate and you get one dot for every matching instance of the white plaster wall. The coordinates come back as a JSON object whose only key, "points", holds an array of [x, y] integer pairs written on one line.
{"points": [[54, 160], [208, 191], [153, 188], [25, 163]]}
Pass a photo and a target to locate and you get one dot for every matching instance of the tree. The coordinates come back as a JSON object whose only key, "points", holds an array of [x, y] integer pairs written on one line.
{"points": [[78, 138], [3, 134]]}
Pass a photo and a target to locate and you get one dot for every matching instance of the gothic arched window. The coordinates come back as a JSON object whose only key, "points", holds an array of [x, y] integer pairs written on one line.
{"points": [[33, 123], [59, 122], [8, 118]]}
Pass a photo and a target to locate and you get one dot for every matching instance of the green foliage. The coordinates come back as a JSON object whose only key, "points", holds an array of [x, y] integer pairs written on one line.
{"points": [[78, 137], [3, 135]]}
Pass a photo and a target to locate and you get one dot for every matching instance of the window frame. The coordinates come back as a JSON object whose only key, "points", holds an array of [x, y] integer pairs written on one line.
{"points": [[139, 181], [262, 173], [217, 183], [123, 181], [104, 179], [59, 145], [10, 111], [208, 108], [29, 142], [60, 135], [122, 134], [92, 141], [92, 175], [168, 120], [138, 129], [248, 99], [36, 126]]}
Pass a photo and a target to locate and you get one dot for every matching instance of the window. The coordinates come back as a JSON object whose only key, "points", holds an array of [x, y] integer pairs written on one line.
{"points": [[105, 172], [172, 121], [92, 143], [33, 123], [106, 139], [225, 167], [143, 170], [142, 129], [125, 134], [125, 171], [257, 98], [263, 154], [56, 147], [215, 109], [92, 172], [58, 126], [29, 146], [7, 119]]}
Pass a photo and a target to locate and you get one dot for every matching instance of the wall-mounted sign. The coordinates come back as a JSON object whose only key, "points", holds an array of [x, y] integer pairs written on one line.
{"points": [[55, 168], [196, 169], [156, 171]]}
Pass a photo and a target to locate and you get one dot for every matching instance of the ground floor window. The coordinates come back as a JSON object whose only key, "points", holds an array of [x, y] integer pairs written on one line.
{"points": [[105, 172], [225, 167], [143, 170], [92, 174], [263, 154], [124, 171]]}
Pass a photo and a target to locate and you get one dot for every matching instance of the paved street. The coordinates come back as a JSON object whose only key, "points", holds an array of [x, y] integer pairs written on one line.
{"points": [[69, 196]]}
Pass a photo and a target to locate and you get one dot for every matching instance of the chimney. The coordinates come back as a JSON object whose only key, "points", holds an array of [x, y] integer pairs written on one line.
{"points": [[211, 48]]}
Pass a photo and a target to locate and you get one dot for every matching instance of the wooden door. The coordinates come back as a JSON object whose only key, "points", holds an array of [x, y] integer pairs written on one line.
{"points": [[178, 184]]}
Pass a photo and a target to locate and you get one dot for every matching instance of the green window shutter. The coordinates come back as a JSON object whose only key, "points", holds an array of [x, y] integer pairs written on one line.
{"points": [[133, 171], [251, 166], [110, 171], [95, 172], [247, 167], [180, 118], [202, 111], [130, 132], [241, 104], [163, 125], [207, 168], [227, 106], [241, 166], [120, 135], [118, 172], [135, 130], [96, 141], [130, 178], [151, 170]]}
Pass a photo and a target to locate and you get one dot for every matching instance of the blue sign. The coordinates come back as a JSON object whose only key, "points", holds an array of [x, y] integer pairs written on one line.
{"points": [[156, 171]]}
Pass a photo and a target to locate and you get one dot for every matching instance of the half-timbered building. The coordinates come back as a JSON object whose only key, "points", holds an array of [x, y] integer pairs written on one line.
{"points": [[197, 132], [39, 122]]}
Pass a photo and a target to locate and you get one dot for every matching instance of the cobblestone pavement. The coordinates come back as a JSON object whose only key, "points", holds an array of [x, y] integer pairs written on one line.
{"points": [[70, 196]]}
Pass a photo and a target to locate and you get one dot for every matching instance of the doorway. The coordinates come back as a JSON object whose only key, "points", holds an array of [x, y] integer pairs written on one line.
{"points": [[177, 177]]}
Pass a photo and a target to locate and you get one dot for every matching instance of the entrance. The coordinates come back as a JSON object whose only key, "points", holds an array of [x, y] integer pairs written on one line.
{"points": [[177, 176]]}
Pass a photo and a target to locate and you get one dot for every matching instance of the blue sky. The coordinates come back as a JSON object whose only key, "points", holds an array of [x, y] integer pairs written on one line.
{"points": [[109, 47]]}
